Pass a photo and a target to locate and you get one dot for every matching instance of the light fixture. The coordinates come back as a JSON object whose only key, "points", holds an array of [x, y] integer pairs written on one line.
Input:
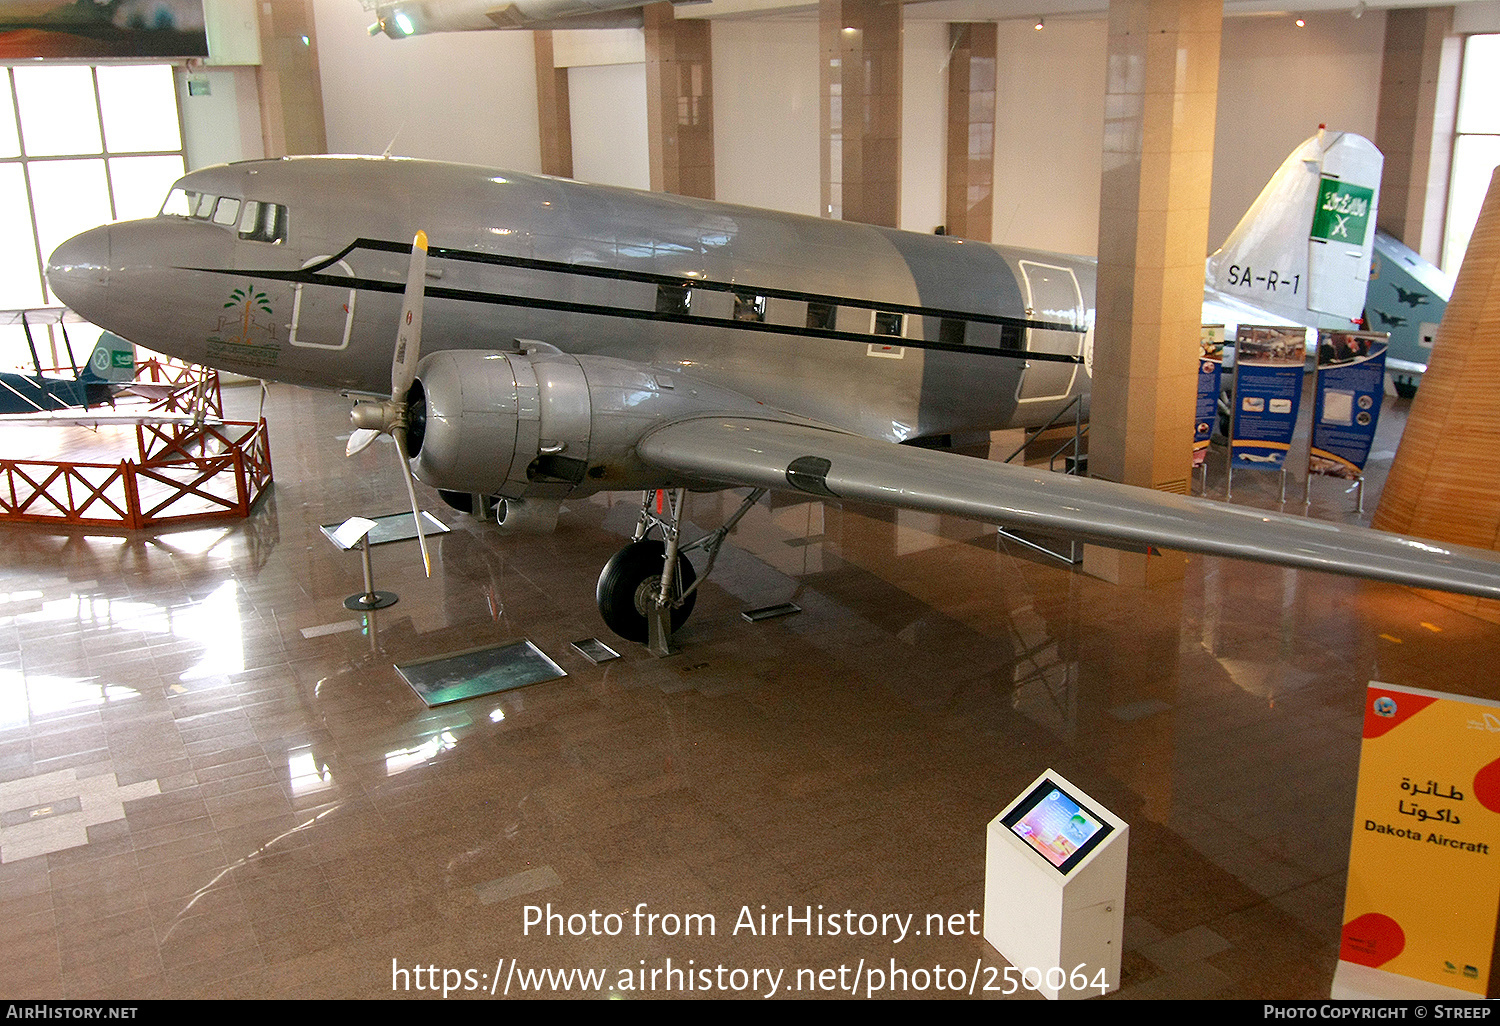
{"points": [[1359, 10], [1301, 23], [1038, 26]]}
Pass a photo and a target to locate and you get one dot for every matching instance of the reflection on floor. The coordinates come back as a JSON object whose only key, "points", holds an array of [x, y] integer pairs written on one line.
{"points": [[270, 811]]}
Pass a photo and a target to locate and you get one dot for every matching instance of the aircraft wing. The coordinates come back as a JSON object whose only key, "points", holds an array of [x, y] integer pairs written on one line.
{"points": [[764, 453], [152, 390], [75, 417]]}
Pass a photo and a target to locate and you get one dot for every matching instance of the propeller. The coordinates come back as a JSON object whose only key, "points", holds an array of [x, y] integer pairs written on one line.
{"points": [[372, 419]]}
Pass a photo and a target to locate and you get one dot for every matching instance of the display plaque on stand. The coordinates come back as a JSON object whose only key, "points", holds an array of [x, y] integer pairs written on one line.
{"points": [[364, 532]]}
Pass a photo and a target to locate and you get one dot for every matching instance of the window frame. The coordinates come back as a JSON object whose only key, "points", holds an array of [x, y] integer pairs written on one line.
{"points": [[32, 165]]}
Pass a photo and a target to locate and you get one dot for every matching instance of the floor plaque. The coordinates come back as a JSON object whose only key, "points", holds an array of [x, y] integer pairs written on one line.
{"points": [[482, 671]]}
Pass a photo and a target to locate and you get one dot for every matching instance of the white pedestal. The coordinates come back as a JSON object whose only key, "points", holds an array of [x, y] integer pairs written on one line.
{"points": [[1057, 929]]}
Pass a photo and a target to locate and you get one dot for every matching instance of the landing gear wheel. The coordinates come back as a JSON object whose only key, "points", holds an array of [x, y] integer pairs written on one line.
{"points": [[1406, 388], [628, 586]]}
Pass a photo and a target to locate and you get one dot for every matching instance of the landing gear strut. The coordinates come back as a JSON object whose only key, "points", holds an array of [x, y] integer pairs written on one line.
{"points": [[647, 589]]}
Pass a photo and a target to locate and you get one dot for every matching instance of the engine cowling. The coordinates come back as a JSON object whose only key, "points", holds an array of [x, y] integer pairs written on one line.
{"points": [[545, 425]]}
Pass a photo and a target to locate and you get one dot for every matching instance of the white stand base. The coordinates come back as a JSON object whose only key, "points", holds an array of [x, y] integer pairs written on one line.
{"points": [[1353, 982]]}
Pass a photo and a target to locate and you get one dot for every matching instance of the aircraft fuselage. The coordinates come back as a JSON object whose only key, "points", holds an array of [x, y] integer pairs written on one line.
{"points": [[261, 272]]}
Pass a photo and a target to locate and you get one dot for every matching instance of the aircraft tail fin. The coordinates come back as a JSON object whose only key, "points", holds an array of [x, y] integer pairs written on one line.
{"points": [[112, 360], [1304, 246]]}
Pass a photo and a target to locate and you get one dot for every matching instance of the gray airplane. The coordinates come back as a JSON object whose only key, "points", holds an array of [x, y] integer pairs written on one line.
{"points": [[557, 339]]}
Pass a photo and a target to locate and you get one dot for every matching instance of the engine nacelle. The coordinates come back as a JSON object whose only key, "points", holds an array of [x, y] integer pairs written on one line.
{"points": [[545, 425]]}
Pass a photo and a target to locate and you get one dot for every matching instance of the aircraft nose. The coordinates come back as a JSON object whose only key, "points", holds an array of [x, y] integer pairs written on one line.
{"points": [[78, 272]]}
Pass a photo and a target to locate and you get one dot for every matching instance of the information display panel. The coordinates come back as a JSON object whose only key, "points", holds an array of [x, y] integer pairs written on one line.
{"points": [[1057, 825]]}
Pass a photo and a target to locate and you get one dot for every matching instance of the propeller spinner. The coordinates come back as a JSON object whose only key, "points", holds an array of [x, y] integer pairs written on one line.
{"points": [[371, 419]]}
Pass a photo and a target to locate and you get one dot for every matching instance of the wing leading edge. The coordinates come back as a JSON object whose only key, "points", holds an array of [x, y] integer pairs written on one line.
{"points": [[822, 462]]}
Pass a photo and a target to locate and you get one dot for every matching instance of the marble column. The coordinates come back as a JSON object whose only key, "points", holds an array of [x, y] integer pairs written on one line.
{"points": [[971, 130], [1414, 125], [291, 91], [1160, 104], [553, 117], [679, 103], [860, 88]]}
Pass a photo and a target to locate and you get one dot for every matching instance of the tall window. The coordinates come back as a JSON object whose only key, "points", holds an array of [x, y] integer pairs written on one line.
{"points": [[1476, 147], [79, 145]]}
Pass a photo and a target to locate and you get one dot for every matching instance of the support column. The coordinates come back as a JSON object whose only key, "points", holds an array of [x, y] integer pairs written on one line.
{"points": [[1160, 103], [1443, 482], [553, 117], [971, 130], [1414, 126], [679, 102], [860, 91], [291, 91]]}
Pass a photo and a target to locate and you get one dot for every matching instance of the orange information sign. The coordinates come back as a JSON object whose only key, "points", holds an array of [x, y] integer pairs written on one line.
{"points": [[1424, 862]]}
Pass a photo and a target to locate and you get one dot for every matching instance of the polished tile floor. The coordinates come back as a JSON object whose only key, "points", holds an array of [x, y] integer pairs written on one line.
{"points": [[213, 783]]}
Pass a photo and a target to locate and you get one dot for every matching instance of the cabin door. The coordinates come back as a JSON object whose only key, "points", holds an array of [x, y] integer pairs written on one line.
{"points": [[323, 315], [1051, 295]]}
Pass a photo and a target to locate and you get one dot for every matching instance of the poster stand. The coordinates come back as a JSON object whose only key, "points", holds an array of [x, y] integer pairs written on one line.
{"points": [[1422, 898], [1359, 493], [1229, 482]]}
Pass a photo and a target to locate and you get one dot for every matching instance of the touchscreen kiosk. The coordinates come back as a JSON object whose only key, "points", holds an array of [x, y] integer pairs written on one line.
{"points": [[1054, 889], [1058, 825]]}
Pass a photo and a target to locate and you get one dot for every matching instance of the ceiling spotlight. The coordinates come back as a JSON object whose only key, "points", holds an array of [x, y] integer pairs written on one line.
{"points": [[1301, 23], [1359, 10], [1038, 26]]}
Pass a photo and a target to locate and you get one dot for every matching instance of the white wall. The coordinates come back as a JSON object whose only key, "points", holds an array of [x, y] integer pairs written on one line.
{"points": [[607, 104], [924, 125], [766, 114], [1049, 134], [224, 125], [1277, 83], [472, 96], [464, 96]]}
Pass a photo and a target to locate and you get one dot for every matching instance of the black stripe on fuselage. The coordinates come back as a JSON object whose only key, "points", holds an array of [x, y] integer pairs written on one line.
{"points": [[311, 275]]}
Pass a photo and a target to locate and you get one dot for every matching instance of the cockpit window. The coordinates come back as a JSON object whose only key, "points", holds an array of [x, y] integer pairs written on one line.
{"points": [[227, 211], [263, 222], [253, 219], [179, 204]]}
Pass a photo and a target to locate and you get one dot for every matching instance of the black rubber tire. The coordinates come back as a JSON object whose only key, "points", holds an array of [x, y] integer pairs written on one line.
{"points": [[621, 590]]}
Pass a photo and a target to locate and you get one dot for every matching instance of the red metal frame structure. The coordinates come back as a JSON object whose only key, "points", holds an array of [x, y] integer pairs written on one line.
{"points": [[212, 470]]}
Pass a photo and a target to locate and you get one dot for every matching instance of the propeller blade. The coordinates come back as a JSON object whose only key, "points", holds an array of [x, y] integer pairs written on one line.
{"points": [[360, 440], [399, 434], [409, 335]]}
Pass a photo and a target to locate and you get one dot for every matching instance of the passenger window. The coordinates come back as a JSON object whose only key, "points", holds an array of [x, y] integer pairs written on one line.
{"points": [[892, 324], [748, 306], [951, 332], [822, 316], [227, 212], [674, 299]]}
